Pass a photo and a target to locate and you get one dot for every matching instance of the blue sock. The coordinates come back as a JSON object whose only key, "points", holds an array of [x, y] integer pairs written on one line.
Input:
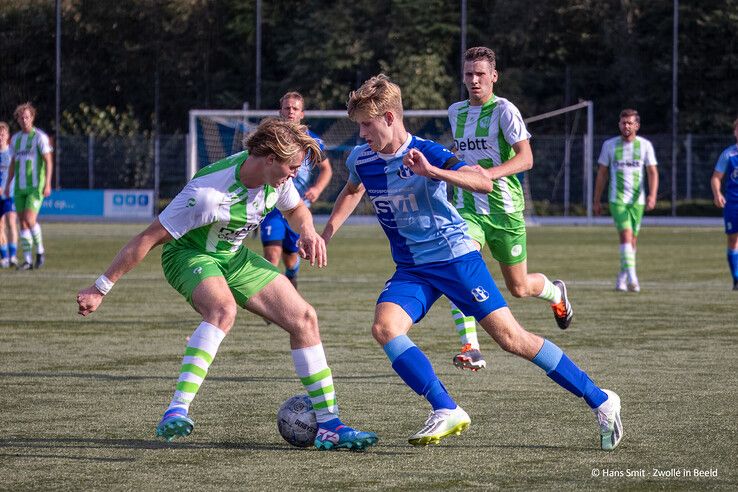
{"points": [[3, 251], [733, 262], [411, 364], [12, 249], [562, 370], [292, 272]]}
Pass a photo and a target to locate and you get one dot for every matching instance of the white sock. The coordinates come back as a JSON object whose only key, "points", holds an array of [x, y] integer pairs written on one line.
{"points": [[466, 327], [315, 375]]}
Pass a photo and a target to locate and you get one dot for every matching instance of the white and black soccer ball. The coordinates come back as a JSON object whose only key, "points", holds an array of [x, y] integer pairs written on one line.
{"points": [[296, 421]]}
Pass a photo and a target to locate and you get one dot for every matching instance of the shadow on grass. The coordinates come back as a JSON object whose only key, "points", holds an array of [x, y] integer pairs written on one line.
{"points": [[64, 457], [233, 379]]}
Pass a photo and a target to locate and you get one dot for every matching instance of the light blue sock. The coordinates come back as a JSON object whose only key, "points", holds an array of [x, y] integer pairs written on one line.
{"points": [[562, 370], [412, 365]]}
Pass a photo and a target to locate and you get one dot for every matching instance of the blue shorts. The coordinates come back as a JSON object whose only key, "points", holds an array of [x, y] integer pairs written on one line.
{"points": [[730, 216], [6, 205], [464, 280], [275, 229]]}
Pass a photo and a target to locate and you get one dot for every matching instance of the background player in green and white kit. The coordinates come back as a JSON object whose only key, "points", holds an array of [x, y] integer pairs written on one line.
{"points": [[489, 131], [625, 158], [203, 258], [31, 167]]}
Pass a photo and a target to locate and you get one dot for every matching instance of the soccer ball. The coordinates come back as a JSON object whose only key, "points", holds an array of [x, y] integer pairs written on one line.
{"points": [[296, 421]]}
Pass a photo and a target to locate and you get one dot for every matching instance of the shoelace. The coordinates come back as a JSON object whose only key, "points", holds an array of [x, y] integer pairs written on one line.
{"points": [[560, 309], [466, 348]]}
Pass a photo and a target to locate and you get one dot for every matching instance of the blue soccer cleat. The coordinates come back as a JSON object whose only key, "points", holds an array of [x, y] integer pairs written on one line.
{"points": [[175, 423], [334, 435]]}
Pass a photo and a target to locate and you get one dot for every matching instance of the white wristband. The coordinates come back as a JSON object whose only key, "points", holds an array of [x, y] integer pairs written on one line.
{"points": [[104, 284]]}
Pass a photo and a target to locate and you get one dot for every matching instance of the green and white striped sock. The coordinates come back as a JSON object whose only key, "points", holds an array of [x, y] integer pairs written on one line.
{"points": [[38, 238], [315, 375], [550, 292], [199, 354], [26, 241], [466, 327], [628, 260]]}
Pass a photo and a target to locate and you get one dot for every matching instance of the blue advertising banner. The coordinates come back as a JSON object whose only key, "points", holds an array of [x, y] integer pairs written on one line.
{"points": [[73, 202], [99, 204]]}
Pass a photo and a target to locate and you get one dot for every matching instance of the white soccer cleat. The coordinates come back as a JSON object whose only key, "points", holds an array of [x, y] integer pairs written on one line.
{"points": [[621, 284], [441, 423], [608, 418], [633, 285]]}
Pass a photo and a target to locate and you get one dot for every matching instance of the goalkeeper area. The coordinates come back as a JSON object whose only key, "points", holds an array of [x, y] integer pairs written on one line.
{"points": [[560, 182]]}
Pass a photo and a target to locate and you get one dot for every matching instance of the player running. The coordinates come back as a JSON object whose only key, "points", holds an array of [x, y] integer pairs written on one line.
{"points": [[405, 178], [203, 258], [489, 131], [277, 238], [727, 165], [625, 157]]}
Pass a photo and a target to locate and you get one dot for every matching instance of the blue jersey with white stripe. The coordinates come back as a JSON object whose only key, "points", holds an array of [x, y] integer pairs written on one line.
{"points": [[302, 179], [422, 226], [728, 165]]}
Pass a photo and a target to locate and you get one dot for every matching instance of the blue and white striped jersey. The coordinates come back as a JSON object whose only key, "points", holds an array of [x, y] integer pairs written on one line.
{"points": [[420, 223]]}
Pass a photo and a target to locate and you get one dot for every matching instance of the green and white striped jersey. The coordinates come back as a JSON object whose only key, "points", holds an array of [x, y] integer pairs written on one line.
{"points": [[484, 135], [30, 167], [626, 161], [214, 212]]}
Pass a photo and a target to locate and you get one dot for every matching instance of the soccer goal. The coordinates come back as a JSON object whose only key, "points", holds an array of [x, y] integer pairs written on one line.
{"points": [[556, 185]]}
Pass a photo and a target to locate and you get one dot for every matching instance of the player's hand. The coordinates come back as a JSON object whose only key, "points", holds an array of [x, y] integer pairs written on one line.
{"points": [[719, 201], [47, 190], [486, 172], [417, 163], [311, 194], [88, 300], [312, 248], [596, 208], [650, 203]]}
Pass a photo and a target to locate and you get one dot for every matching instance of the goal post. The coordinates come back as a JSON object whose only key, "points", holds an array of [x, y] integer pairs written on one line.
{"points": [[555, 183]]}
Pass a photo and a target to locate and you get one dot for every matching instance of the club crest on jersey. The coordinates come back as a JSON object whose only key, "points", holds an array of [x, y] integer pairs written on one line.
{"points": [[734, 174], [480, 295], [484, 122], [404, 172]]}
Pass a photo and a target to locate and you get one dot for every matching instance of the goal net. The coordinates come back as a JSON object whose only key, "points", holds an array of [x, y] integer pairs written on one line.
{"points": [[553, 186]]}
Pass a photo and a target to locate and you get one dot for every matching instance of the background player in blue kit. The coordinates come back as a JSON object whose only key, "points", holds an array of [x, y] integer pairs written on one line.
{"points": [[727, 165], [8, 217], [405, 178], [277, 238]]}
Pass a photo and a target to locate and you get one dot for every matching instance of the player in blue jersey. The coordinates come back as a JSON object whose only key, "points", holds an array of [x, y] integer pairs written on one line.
{"points": [[405, 178], [8, 217], [277, 238], [727, 166]]}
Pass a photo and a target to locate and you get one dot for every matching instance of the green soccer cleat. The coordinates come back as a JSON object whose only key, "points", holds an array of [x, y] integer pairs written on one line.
{"points": [[608, 418], [174, 424], [441, 423]]}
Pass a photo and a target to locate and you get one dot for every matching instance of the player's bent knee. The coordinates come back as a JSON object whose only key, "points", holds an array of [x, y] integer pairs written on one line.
{"points": [[222, 315]]}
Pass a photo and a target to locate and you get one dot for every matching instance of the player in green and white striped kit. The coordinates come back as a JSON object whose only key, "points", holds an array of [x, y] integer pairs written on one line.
{"points": [[32, 167], [489, 131], [626, 157], [203, 258]]}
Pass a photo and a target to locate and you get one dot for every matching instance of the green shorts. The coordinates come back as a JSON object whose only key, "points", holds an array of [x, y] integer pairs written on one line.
{"points": [[504, 234], [245, 272], [627, 216], [28, 199]]}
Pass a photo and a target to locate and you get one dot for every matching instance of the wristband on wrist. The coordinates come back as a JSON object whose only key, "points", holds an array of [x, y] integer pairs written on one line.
{"points": [[104, 284]]}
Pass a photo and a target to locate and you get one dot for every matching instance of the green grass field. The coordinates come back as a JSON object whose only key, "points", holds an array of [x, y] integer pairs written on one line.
{"points": [[80, 397]]}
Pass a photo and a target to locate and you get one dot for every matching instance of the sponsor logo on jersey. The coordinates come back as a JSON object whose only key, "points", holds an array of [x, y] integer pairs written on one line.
{"points": [[235, 235], [396, 211], [516, 250], [480, 295], [628, 163], [470, 144]]}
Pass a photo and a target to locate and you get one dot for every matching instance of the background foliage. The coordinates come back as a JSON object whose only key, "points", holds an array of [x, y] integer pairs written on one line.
{"points": [[615, 52]]}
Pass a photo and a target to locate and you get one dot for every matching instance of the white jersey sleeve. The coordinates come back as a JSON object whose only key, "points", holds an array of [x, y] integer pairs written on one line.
{"points": [[44, 144], [512, 124], [648, 154], [288, 196], [193, 207], [605, 154]]}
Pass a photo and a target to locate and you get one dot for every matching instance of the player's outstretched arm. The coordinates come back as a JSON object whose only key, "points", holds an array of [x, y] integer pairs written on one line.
{"points": [[312, 246], [89, 299], [522, 161], [346, 203], [470, 178]]}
